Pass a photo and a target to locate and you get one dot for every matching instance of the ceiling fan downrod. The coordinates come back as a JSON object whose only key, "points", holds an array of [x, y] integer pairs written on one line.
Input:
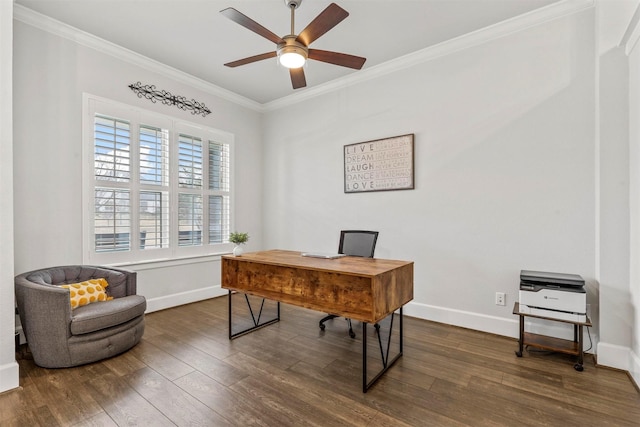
{"points": [[293, 5]]}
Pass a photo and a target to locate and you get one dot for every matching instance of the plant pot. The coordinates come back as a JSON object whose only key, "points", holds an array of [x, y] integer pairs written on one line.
{"points": [[238, 251]]}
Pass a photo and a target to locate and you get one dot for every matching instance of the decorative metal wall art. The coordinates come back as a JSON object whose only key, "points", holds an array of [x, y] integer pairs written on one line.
{"points": [[151, 93]]}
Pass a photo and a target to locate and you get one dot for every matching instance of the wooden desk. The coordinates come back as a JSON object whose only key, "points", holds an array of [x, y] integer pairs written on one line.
{"points": [[364, 289]]}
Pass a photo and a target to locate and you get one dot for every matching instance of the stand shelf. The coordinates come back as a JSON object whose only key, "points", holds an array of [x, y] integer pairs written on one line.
{"points": [[544, 342]]}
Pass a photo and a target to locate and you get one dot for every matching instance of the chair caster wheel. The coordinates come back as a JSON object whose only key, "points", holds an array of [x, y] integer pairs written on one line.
{"points": [[578, 367], [352, 334], [321, 327], [519, 353]]}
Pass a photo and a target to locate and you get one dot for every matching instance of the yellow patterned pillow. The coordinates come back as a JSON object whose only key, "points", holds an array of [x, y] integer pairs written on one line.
{"points": [[84, 293]]}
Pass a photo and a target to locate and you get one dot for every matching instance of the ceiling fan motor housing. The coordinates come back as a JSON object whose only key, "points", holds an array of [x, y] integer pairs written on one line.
{"points": [[291, 45]]}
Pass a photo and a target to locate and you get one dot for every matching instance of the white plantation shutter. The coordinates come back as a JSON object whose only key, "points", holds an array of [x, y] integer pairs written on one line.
{"points": [[153, 215], [219, 157], [190, 219], [154, 156], [154, 219], [112, 162], [219, 183], [112, 149], [160, 186], [190, 162], [190, 209], [219, 219], [112, 220]]}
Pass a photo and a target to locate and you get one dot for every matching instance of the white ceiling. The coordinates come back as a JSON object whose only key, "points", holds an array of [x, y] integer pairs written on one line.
{"points": [[192, 36]]}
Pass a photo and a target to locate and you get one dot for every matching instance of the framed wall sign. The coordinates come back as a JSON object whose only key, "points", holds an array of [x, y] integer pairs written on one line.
{"points": [[380, 165]]}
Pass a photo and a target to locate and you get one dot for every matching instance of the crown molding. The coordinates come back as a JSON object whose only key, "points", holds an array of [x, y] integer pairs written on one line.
{"points": [[53, 26], [501, 29], [483, 35]]}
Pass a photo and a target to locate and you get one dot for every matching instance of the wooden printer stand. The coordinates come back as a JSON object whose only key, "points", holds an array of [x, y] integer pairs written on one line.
{"points": [[544, 342]]}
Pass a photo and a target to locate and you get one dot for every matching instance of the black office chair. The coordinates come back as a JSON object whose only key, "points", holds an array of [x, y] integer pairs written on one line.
{"points": [[354, 243]]}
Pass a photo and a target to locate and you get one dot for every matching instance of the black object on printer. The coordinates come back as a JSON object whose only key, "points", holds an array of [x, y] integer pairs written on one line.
{"points": [[531, 279]]}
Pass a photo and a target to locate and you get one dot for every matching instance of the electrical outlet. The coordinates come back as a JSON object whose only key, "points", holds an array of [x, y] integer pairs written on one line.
{"points": [[501, 298]]}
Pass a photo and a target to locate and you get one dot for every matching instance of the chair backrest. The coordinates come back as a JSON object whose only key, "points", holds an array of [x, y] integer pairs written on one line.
{"points": [[358, 243], [121, 282]]}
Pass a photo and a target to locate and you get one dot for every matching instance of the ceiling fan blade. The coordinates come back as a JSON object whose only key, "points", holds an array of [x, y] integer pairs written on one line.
{"points": [[328, 18], [251, 59], [297, 77], [337, 58], [250, 24]]}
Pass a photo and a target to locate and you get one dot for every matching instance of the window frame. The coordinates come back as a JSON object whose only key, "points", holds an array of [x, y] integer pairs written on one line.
{"points": [[138, 117]]}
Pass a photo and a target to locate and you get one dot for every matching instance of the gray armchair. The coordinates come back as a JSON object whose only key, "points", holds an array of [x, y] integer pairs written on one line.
{"points": [[60, 337]]}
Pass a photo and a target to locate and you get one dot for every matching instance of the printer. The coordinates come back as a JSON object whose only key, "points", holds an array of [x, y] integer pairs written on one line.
{"points": [[555, 295]]}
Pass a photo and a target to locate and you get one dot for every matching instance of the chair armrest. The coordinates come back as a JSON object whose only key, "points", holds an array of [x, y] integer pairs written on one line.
{"points": [[48, 321], [132, 279]]}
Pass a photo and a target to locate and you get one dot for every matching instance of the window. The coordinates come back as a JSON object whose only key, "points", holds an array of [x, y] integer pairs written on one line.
{"points": [[159, 188]]}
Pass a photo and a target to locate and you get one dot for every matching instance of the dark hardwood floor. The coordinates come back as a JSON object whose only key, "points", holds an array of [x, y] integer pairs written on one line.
{"points": [[185, 371]]}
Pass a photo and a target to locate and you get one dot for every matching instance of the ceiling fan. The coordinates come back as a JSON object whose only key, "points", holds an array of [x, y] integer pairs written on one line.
{"points": [[293, 50]]}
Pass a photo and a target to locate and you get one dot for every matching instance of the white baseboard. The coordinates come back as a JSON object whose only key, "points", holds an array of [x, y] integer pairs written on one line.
{"points": [[174, 300], [9, 376], [614, 356], [496, 325], [465, 319], [619, 357], [634, 370]]}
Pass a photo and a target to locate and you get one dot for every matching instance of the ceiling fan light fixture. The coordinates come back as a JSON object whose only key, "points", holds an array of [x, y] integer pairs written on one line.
{"points": [[291, 59], [291, 53]]}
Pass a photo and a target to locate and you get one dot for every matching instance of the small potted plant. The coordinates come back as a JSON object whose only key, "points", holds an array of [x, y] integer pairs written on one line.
{"points": [[238, 239]]}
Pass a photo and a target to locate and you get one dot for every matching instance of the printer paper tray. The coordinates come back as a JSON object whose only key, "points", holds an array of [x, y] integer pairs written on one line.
{"points": [[554, 314]]}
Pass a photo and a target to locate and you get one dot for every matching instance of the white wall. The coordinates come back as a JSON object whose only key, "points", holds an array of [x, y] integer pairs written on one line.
{"points": [[619, 185], [51, 74], [614, 257], [633, 321], [8, 366], [504, 164]]}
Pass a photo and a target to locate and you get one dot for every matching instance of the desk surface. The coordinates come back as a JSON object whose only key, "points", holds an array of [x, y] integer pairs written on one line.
{"points": [[360, 266], [365, 289]]}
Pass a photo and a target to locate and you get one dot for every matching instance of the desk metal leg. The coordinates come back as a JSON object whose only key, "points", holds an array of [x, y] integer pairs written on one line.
{"points": [[386, 364], [255, 318]]}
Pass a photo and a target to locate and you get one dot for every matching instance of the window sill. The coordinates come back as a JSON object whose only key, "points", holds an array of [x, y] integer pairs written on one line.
{"points": [[170, 262]]}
